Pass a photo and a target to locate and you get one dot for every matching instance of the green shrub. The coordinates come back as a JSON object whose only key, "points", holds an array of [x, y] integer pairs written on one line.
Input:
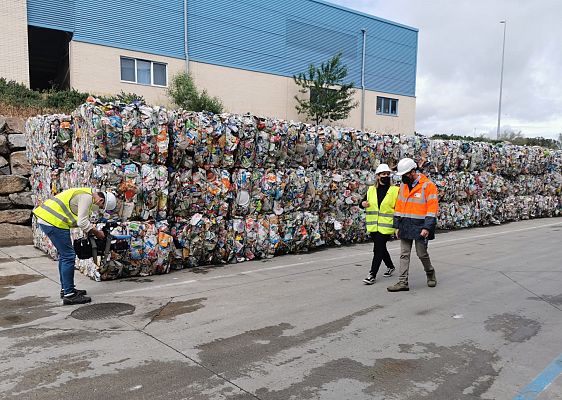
{"points": [[17, 94], [123, 97], [185, 94], [65, 100]]}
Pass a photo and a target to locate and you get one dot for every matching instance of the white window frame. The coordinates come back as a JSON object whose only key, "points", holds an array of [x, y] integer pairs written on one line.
{"points": [[390, 99], [151, 72]]}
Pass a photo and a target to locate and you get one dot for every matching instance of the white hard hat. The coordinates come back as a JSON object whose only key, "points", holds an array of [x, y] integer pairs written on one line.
{"points": [[382, 168], [405, 165], [110, 202]]}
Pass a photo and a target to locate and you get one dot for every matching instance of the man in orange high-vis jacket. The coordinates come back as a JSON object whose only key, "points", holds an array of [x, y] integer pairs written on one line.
{"points": [[415, 218]]}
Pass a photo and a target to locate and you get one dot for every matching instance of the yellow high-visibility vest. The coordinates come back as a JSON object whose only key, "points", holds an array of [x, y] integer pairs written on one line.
{"points": [[381, 220], [56, 210]]}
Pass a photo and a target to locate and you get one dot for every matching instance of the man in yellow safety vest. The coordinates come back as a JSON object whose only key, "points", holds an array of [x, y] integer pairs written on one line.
{"points": [[71, 208], [379, 213]]}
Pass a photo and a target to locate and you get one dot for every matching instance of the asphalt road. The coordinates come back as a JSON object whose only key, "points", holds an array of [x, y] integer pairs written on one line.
{"points": [[297, 327]]}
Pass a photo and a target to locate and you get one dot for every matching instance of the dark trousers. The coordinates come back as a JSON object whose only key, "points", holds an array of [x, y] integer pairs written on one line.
{"points": [[381, 252]]}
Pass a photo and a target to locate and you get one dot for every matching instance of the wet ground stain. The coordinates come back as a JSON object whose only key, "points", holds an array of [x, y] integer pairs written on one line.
{"points": [[231, 355], [138, 280], [7, 283], [176, 308], [24, 310], [462, 372], [47, 338], [158, 380], [556, 300], [37, 256], [204, 270], [514, 328], [47, 374]]}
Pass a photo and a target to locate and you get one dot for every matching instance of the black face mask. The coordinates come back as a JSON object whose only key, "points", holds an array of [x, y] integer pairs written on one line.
{"points": [[406, 179], [385, 180]]}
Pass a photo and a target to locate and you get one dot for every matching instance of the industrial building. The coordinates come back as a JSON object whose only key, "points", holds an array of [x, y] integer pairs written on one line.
{"points": [[243, 51]]}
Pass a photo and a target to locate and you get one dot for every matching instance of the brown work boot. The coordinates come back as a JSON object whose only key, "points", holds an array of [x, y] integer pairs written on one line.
{"points": [[431, 278], [399, 287]]}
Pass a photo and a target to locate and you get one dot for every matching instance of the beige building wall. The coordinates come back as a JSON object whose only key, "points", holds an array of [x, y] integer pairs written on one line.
{"points": [[270, 95], [97, 69], [14, 54]]}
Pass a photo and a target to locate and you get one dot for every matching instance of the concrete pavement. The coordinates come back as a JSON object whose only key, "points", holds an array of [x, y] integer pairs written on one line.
{"points": [[295, 327]]}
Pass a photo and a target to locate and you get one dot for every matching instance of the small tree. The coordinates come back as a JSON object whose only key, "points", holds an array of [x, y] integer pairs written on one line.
{"points": [[330, 98], [185, 94]]}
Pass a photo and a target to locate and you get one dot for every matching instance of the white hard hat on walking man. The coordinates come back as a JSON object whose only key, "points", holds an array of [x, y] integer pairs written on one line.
{"points": [[406, 165]]}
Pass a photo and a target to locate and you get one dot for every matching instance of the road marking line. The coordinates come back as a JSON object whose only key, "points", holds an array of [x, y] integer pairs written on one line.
{"points": [[542, 381], [320, 260]]}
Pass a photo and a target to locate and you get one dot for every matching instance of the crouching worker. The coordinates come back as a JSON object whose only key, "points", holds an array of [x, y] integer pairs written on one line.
{"points": [[71, 208]]}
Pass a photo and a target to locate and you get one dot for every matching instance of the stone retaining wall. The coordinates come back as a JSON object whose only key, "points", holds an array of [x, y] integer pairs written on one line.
{"points": [[16, 201]]}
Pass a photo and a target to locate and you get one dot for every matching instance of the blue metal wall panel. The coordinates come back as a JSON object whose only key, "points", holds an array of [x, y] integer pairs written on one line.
{"points": [[278, 37], [52, 14], [142, 25], [284, 37]]}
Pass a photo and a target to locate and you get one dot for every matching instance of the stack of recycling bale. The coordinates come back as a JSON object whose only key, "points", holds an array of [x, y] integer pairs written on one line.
{"points": [[49, 150], [126, 149], [245, 187], [242, 187], [15, 197], [482, 184]]}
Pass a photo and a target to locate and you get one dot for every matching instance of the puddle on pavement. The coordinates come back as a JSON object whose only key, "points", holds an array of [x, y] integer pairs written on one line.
{"points": [[176, 308], [258, 345], [432, 371], [7, 283], [514, 328], [24, 310]]}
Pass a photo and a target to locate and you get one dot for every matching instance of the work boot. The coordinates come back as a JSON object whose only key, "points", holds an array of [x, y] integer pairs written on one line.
{"points": [[431, 278], [399, 287], [75, 298], [82, 292]]}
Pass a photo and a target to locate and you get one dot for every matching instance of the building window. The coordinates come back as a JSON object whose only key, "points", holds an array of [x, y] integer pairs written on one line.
{"points": [[144, 72], [387, 106]]}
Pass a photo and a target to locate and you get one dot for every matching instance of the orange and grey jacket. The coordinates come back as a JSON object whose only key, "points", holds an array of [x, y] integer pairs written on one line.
{"points": [[416, 209]]}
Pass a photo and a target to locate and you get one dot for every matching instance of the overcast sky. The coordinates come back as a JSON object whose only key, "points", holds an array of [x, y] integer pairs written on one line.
{"points": [[459, 59]]}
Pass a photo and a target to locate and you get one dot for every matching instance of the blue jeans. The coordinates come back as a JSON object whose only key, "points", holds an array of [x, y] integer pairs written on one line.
{"points": [[62, 242]]}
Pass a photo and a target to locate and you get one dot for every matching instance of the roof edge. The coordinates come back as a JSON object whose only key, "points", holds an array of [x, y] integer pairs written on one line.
{"points": [[350, 10]]}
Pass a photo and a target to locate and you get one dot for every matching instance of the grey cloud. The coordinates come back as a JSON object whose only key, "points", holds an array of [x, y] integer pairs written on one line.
{"points": [[459, 62]]}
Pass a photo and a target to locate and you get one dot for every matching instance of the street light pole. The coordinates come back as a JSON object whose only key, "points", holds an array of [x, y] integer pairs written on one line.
{"points": [[501, 80]]}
